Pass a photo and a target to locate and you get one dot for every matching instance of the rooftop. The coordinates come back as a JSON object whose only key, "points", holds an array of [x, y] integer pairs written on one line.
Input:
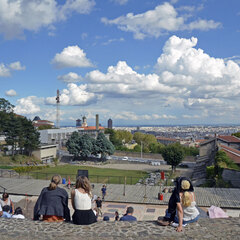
{"points": [[229, 139]]}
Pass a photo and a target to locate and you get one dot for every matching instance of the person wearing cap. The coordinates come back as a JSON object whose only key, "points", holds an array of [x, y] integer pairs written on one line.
{"points": [[129, 215]]}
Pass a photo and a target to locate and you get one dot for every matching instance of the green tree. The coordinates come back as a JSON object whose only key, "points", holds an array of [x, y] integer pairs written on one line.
{"points": [[173, 155], [6, 106], [123, 136], [30, 136], [138, 137], [137, 148], [113, 137], [237, 134], [72, 144], [43, 127], [103, 146]]}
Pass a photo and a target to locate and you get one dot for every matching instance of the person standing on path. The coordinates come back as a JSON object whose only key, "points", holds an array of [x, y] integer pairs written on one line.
{"points": [[104, 192], [99, 206]]}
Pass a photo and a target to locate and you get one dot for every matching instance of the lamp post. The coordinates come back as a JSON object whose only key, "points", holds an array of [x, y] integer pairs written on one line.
{"points": [[141, 149]]}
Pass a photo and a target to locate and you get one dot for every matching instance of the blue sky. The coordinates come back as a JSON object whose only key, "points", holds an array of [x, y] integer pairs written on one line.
{"points": [[136, 61]]}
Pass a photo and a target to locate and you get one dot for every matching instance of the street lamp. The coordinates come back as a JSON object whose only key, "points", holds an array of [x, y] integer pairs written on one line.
{"points": [[141, 149]]}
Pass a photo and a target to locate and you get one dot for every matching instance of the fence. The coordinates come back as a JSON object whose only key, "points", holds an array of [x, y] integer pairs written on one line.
{"points": [[93, 178]]}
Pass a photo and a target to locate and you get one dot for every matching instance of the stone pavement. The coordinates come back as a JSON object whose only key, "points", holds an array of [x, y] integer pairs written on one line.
{"points": [[221, 197], [12, 229]]}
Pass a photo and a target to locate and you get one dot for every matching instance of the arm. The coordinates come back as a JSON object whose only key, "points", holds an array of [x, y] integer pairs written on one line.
{"points": [[72, 199], [180, 217], [38, 205], [12, 206], [66, 209]]}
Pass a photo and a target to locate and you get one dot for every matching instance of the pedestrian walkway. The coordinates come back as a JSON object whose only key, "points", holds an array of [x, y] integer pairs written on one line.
{"points": [[222, 197]]}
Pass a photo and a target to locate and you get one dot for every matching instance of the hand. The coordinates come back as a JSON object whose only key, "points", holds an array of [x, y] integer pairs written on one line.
{"points": [[179, 229]]}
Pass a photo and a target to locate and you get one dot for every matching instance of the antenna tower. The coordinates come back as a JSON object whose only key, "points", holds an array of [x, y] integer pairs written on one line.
{"points": [[58, 112]]}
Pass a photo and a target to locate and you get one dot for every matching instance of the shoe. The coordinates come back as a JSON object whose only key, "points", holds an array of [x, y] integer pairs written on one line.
{"points": [[163, 223], [176, 225]]}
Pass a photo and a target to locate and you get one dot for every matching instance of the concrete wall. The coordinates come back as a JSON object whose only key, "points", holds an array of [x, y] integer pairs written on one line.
{"points": [[46, 153], [233, 176]]}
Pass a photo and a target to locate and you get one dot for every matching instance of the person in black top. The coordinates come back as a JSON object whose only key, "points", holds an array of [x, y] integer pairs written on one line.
{"points": [[52, 203], [99, 206], [174, 199], [116, 216]]}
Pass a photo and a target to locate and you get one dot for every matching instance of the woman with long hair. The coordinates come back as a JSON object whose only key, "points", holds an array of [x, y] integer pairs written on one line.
{"points": [[187, 211], [52, 203], [81, 202]]}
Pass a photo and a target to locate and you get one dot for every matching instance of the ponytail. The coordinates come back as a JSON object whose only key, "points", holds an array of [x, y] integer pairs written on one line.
{"points": [[186, 199], [54, 182]]}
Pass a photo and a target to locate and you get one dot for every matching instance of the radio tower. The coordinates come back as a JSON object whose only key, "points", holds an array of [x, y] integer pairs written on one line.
{"points": [[58, 113]]}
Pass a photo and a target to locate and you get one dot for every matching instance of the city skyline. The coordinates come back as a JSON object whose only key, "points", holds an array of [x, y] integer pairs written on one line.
{"points": [[134, 61]]}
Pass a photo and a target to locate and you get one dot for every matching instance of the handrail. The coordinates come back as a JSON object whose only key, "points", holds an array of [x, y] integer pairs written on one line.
{"points": [[4, 189]]}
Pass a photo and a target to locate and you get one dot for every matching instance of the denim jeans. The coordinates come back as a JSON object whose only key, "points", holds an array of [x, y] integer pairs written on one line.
{"points": [[186, 222]]}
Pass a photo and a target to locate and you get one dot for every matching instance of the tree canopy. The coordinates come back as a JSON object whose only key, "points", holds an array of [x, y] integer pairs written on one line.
{"points": [[173, 155], [84, 145]]}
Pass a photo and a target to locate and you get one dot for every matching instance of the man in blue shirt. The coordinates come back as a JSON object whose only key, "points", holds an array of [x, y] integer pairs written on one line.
{"points": [[128, 216]]}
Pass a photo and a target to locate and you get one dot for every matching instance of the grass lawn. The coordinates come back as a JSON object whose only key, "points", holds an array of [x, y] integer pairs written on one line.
{"points": [[7, 167], [96, 175]]}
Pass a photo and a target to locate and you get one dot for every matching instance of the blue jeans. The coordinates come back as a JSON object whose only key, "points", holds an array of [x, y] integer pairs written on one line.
{"points": [[6, 215], [167, 215], [186, 222]]}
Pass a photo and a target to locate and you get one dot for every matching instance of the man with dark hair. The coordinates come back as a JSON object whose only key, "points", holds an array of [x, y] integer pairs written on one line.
{"points": [[129, 215]]}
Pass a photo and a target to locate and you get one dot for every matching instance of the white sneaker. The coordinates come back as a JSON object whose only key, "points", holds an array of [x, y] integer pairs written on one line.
{"points": [[176, 225]]}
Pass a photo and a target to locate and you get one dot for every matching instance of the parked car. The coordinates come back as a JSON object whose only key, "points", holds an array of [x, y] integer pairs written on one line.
{"points": [[125, 158]]}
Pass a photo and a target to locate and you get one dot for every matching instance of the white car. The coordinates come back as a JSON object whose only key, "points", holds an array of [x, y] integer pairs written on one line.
{"points": [[125, 158]]}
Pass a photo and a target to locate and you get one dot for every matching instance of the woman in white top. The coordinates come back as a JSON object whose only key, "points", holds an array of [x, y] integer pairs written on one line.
{"points": [[81, 202], [6, 201], [186, 209]]}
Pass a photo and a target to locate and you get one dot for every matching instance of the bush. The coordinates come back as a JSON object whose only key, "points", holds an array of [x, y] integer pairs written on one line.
{"points": [[210, 172]]}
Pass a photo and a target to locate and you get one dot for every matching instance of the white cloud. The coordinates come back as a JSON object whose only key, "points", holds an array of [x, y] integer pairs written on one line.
{"points": [[154, 23], [201, 75], [70, 78], [27, 106], [11, 93], [120, 2], [74, 95], [16, 16], [17, 66], [109, 41], [126, 115], [4, 71], [122, 80], [71, 56]]}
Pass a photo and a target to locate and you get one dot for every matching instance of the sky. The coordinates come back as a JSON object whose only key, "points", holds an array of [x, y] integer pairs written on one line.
{"points": [[138, 62]]}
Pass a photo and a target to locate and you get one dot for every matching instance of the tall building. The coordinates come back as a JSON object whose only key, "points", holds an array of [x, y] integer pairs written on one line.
{"points": [[110, 123], [84, 121], [78, 123]]}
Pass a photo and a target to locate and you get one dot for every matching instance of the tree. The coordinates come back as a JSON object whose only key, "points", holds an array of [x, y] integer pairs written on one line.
{"points": [[113, 137], [6, 106], [103, 146], [138, 137], [72, 144], [30, 136], [173, 155], [123, 136], [237, 134]]}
